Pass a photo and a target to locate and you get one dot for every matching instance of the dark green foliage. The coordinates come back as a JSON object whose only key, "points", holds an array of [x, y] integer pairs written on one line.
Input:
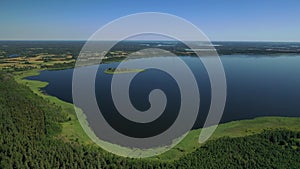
{"points": [[58, 66], [29, 126], [264, 150], [24, 113], [34, 48]]}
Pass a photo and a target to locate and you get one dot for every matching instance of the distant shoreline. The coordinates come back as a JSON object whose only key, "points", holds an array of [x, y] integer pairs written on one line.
{"points": [[122, 70]]}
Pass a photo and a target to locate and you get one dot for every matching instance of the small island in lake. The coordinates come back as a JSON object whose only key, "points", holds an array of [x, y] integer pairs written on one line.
{"points": [[122, 70]]}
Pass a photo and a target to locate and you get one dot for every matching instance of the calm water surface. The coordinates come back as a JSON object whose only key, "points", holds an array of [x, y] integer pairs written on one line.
{"points": [[256, 86]]}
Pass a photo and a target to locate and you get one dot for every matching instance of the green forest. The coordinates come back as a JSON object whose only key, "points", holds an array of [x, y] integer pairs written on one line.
{"points": [[29, 126]]}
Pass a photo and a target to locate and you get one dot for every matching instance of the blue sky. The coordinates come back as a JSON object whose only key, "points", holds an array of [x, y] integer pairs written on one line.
{"points": [[225, 20]]}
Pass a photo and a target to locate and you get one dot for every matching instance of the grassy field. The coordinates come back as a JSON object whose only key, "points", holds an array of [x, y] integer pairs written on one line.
{"points": [[37, 62], [72, 130]]}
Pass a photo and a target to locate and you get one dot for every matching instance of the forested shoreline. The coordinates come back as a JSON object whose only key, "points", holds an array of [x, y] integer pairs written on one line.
{"points": [[29, 126]]}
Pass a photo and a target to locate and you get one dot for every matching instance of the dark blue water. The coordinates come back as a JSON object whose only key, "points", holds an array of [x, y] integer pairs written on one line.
{"points": [[256, 86]]}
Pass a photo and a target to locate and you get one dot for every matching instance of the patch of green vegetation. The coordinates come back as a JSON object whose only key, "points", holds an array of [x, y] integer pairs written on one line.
{"points": [[71, 129], [31, 114], [232, 129], [59, 66]]}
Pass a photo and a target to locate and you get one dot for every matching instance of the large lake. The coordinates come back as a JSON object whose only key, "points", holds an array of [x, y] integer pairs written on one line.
{"points": [[257, 86]]}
